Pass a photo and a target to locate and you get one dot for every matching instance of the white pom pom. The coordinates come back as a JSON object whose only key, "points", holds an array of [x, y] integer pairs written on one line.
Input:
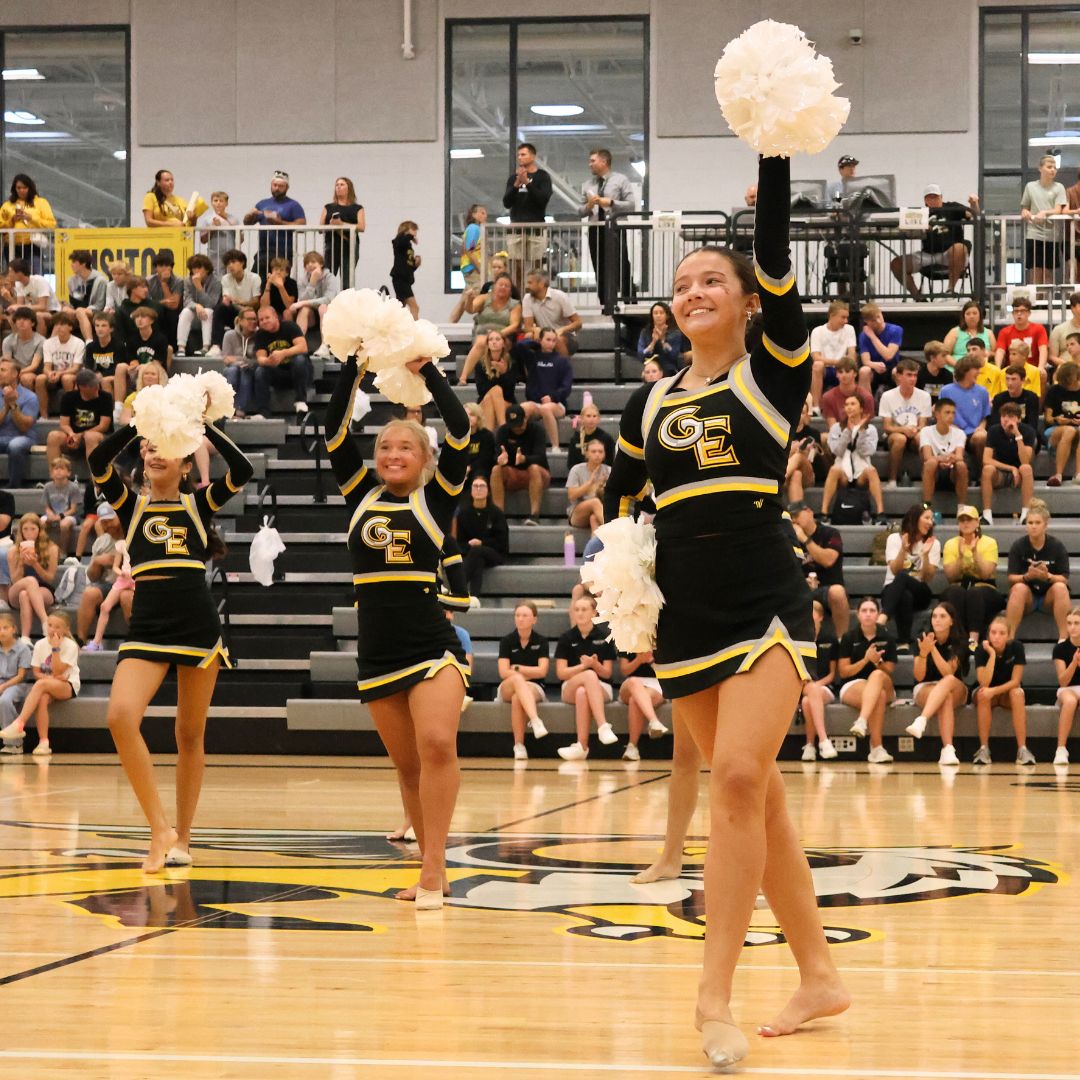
{"points": [[388, 337], [219, 395], [347, 318], [171, 417], [399, 384], [776, 92], [428, 341], [621, 577]]}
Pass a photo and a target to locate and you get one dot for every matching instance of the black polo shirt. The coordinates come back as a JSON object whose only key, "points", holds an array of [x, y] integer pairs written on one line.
{"points": [[1012, 655], [827, 646], [572, 645], [853, 646], [1064, 651], [642, 671], [530, 655]]}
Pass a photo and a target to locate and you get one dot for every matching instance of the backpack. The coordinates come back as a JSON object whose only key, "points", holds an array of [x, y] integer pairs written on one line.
{"points": [[877, 547], [72, 583], [852, 506]]}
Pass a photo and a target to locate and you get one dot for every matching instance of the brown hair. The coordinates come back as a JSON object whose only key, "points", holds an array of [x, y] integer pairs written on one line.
{"points": [[965, 309], [62, 318], [964, 365], [1016, 369], [219, 195], [313, 257], [146, 312], [869, 311], [522, 603], [1068, 372], [908, 364], [41, 544], [602, 154], [407, 226], [350, 191], [200, 262], [280, 263], [847, 363]]}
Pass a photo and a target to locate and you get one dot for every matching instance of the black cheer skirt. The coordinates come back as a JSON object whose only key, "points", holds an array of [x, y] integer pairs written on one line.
{"points": [[727, 599], [175, 620]]}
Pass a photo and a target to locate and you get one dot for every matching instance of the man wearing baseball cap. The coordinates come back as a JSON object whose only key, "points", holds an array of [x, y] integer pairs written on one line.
{"points": [[943, 242], [846, 167], [278, 209], [520, 462]]}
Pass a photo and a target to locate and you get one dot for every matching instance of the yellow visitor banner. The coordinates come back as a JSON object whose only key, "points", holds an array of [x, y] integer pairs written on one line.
{"points": [[137, 247]]}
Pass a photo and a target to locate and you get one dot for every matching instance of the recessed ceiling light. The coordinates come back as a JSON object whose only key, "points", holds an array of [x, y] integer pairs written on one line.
{"points": [[21, 116], [562, 129], [22, 74], [557, 110], [120, 155], [1055, 140], [1053, 58], [471, 152], [44, 136]]}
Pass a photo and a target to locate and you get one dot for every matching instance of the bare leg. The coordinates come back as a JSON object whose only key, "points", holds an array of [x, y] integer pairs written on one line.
{"points": [[195, 688]]}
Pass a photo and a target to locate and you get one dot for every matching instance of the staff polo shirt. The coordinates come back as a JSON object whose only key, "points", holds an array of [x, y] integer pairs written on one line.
{"points": [[529, 655], [573, 645]]}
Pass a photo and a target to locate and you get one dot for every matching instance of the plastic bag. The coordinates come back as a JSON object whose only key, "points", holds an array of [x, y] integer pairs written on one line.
{"points": [[265, 549]]}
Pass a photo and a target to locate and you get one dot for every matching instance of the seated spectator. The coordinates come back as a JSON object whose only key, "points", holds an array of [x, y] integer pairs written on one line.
{"points": [[1066, 656], [202, 295], [497, 266], [86, 291], [1015, 394], [879, 349], [63, 354], [823, 563], [34, 291], [547, 308], [482, 534], [818, 692], [415, 413], [281, 360], [105, 351], [990, 377], [832, 401], [912, 558], [123, 583], [970, 564], [238, 348], [1033, 335], [61, 501], [866, 660], [86, 416], [943, 242], [972, 405], [319, 287], [138, 295], [14, 670], [584, 659], [151, 374], [32, 564], [100, 573], [935, 373], [523, 667], [1018, 357], [905, 409], [585, 485], [520, 462], [1062, 416], [651, 372], [481, 444], [1072, 349], [1056, 351], [1038, 572], [497, 377], [853, 446], [162, 208], [218, 238], [940, 667], [641, 694], [971, 327], [1010, 451], [830, 343], [942, 448], [240, 290], [497, 311], [147, 345], [806, 458], [18, 415], [116, 290], [999, 669], [549, 378], [588, 429], [25, 347], [167, 290], [661, 340], [280, 291]]}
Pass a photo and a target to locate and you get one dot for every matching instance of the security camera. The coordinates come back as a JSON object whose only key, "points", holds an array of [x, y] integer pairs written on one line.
{"points": [[855, 36]]}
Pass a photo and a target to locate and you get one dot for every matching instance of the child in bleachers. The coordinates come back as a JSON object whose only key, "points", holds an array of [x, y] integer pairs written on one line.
{"points": [[999, 668], [14, 668], [1062, 415], [1066, 656], [61, 500], [32, 563], [641, 693], [55, 663], [124, 582], [584, 659], [865, 663], [940, 666], [523, 667], [818, 693]]}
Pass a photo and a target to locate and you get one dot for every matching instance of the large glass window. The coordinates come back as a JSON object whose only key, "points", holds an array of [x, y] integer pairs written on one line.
{"points": [[65, 104], [565, 85]]}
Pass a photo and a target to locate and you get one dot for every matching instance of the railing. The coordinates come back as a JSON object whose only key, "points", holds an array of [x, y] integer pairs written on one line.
{"points": [[313, 444], [561, 249], [218, 574]]}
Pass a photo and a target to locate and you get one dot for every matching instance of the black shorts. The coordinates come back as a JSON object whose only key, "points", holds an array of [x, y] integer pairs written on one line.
{"points": [[175, 621], [1042, 254], [403, 287]]}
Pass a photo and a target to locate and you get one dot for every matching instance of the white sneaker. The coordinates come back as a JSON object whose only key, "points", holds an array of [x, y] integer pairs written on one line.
{"points": [[988, 517], [538, 729], [826, 750], [1060, 758], [1024, 756], [43, 749], [606, 734], [982, 756], [520, 753], [256, 416], [917, 727], [809, 753], [573, 752], [879, 756], [858, 729], [1024, 512], [474, 603], [466, 701], [657, 730], [214, 353], [13, 733], [322, 352], [948, 756], [890, 485], [631, 753]]}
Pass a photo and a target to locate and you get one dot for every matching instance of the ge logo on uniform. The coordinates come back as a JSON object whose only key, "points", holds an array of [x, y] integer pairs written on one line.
{"points": [[158, 531], [682, 429], [396, 543]]}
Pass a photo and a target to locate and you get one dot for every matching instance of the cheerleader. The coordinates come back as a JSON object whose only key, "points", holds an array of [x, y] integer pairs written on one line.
{"points": [[174, 620], [735, 634], [412, 671]]}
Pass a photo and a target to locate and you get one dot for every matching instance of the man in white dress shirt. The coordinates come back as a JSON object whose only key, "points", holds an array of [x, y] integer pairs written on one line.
{"points": [[606, 195]]}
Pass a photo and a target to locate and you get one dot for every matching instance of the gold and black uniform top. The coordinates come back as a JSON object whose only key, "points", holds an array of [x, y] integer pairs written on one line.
{"points": [[716, 456], [166, 539], [396, 541]]}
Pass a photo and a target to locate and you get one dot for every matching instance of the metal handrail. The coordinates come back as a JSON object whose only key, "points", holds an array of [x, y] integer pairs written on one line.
{"points": [[315, 448], [218, 574], [267, 491]]}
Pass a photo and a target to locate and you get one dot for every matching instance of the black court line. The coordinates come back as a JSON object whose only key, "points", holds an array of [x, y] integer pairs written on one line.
{"points": [[190, 924]]}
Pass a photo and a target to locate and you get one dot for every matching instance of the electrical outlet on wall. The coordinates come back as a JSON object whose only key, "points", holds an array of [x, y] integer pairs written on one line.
{"points": [[907, 744], [845, 744]]}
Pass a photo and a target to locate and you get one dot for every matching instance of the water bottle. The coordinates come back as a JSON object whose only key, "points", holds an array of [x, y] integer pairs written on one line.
{"points": [[569, 554], [586, 399]]}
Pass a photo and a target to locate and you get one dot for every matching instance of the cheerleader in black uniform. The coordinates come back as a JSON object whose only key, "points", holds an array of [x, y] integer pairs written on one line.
{"points": [[736, 632], [412, 672], [174, 620]]}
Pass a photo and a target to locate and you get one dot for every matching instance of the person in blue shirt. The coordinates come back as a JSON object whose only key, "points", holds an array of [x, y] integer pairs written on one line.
{"points": [[879, 350], [549, 378], [19, 411], [972, 404], [661, 340], [278, 209]]}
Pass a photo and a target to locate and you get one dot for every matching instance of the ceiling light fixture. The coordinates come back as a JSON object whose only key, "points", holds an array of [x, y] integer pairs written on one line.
{"points": [[21, 116], [639, 167], [557, 110], [1053, 58], [471, 152], [22, 74]]}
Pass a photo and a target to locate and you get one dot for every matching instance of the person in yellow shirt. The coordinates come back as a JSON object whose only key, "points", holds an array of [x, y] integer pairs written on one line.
{"points": [[990, 376], [970, 563], [163, 209], [1020, 353], [27, 212]]}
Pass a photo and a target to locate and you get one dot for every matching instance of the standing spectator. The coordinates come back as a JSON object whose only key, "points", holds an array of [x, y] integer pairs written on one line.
{"points": [[912, 558], [905, 409], [817, 693], [866, 660], [32, 563], [343, 209], [26, 212], [162, 208], [1041, 199], [61, 500], [496, 380], [526, 196], [472, 256], [281, 360], [605, 196], [970, 563], [943, 242], [935, 373], [588, 429], [1038, 572], [972, 405], [584, 660], [1014, 394], [240, 290], [831, 342], [202, 296], [320, 286], [1023, 329], [549, 379], [86, 291], [1063, 421], [641, 694], [482, 534], [1058, 336], [167, 290], [832, 401], [520, 462], [971, 326], [481, 444], [806, 461], [524, 658], [86, 415], [238, 349], [999, 669], [940, 666], [853, 446], [1066, 656], [1010, 450], [116, 291], [278, 209], [823, 563], [106, 353], [879, 348], [585, 489], [35, 292], [281, 290], [19, 411], [216, 234], [661, 340], [942, 448], [14, 669], [25, 347], [834, 195], [546, 308], [63, 357], [406, 263]]}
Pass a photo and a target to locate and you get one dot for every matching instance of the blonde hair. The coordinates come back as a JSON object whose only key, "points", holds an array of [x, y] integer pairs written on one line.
{"points": [[1021, 347], [219, 195], [836, 306], [62, 616], [7, 619], [870, 311], [934, 348], [485, 358], [313, 257], [418, 433], [1045, 158], [163, 375], [473, 409], [1037, 506], [41, 544]]}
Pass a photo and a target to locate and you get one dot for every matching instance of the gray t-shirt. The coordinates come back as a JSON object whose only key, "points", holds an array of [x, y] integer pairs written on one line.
{"points": [[579, 475], [551, 313], [22, 352], [59, 498], [1037, 198], [11, 660]]}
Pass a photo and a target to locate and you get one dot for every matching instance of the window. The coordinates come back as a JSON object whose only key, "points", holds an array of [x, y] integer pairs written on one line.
{"points": [[564, 85], [65, 103]]}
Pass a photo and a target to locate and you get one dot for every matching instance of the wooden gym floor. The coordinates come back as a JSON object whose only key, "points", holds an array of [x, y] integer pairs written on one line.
{"points": [[281, 953]]}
